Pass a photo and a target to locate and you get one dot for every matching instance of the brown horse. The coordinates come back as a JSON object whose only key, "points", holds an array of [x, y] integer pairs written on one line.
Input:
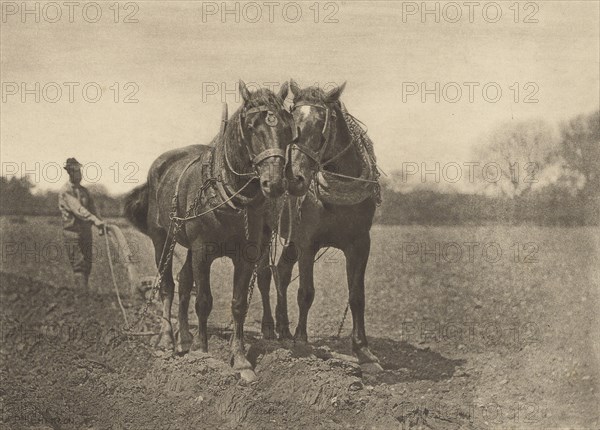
{"points": [[324, 147], [218, 205]]}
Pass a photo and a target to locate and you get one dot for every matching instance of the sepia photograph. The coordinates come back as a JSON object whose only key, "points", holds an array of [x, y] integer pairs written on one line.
{"points": [[356, 214]]}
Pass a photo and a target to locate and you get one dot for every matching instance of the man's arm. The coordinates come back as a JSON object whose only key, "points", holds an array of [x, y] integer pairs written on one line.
{"points": [[71, 204]]}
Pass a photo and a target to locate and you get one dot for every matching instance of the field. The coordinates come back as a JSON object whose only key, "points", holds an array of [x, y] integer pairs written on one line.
{"points": [[475, 327]]}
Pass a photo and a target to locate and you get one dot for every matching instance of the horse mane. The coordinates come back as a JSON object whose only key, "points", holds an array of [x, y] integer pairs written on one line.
{"points": [[265, 97]]}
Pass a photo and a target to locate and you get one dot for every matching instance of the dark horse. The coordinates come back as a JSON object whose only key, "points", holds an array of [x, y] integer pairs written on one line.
{"points": [[218, 189], [324, 145]]}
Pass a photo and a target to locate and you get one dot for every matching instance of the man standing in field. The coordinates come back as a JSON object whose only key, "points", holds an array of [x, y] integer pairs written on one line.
{"points": [[78, 214]]}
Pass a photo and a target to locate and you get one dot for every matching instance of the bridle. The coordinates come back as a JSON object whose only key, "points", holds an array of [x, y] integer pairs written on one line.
{"points": [[326, 134], [315, 156], [256, 160]]}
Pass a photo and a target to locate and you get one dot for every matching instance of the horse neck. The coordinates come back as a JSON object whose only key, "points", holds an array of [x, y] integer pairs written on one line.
{"points": [[349, 163]]}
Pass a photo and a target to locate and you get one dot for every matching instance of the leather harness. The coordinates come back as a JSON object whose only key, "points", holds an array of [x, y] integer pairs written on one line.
{"points": [[215, 178]]}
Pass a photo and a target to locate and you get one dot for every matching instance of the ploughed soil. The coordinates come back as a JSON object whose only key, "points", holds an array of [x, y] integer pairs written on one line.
{"points": [[463, 344]]}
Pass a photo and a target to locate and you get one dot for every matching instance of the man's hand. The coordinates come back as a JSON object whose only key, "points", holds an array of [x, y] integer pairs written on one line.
{"points": [[101, 224]]}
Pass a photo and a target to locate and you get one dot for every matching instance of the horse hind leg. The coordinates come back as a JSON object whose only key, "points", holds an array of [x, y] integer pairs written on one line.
{"points": [[167, 290], [204, 300], [186, 282], [357, 255]]}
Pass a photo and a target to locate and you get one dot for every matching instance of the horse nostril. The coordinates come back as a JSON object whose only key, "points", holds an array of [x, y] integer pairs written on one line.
{"points": [[300, 179], [265, 184]]}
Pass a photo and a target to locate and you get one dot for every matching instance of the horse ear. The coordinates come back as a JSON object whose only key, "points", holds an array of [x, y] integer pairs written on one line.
{"points": [[244, 91], [287, 94], [294, 87], [335, 94], [283, 91]]}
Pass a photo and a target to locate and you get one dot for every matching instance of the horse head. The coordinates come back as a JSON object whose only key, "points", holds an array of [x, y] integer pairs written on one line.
{"points": [[316, 116], [265, 129]]}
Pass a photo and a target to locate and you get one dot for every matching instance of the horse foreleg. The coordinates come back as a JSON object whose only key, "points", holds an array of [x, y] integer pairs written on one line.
{"points": [[204, 299], [186, 281], [264, 285], [357, 256], [286, 262], [239, 307], [306, 292]]}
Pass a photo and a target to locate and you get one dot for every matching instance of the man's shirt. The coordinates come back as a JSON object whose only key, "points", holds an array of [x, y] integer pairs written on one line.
{"points": [[76, 206]]}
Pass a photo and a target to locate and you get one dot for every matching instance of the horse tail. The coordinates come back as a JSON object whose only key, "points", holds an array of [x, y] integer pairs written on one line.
{"points": [[136, 207]]}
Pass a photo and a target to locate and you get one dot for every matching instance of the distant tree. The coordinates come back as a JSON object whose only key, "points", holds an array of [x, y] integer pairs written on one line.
{"points": [[580, 150], [15, 195], [517, 154]]}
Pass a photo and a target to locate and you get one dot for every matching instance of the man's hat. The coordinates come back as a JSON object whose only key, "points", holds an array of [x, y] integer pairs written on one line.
{"points": [[72, 163]]}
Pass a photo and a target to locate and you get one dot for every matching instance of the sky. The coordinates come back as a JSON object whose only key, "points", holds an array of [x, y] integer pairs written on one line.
{"points": [[179, 56]]}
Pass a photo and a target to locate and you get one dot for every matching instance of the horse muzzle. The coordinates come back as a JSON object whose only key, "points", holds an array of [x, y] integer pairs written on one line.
{"points": [[272, 181]]}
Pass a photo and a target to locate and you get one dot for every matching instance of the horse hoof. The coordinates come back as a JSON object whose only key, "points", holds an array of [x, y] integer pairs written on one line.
{"points": [[286, 336], [268, 333], [248, 375], [165, 342], [301, 338], [198, 345], [184, 342], [371, 368]]}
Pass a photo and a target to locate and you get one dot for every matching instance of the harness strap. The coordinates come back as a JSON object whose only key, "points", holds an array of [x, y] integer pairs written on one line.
{"points": [[226, 192], [224, 119], [268, 153], [176, 195], [257, 109], [222, 174], [244, 113], [225, 196], [313, 155]]}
